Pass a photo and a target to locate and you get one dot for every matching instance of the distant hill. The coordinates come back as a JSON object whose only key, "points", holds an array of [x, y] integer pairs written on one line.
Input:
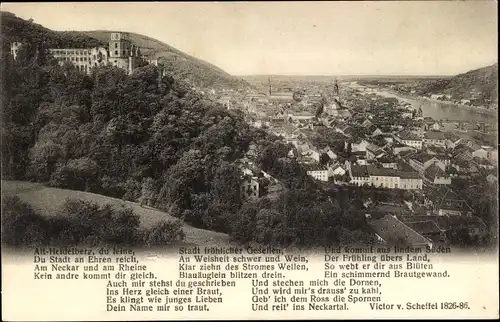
{"points": [[479, 85], [196, 71], [184, 66]]}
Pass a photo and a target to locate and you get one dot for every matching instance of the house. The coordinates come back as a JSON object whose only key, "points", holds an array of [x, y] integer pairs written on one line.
{"points": [[359, 175], [436, 175], [486, 152], [315, 155], [366, 123], [303, 147], [421, 162], [359, 145], [360, 157], [383, 177], [409, 180], [398, 148], [226, 102], [332, 155], [376, 132], [411, 139], [374, 152], [451, 205], [443, 159], [388, 161], [476, 227], [250, 187], [431, 125], [483, 163], [392, 231], [429, 229], [344, 113], [463, 152], [452, 140], [407, 115], [298, 116], [337, 170], [317, 172], [388, 138], [435, 138], [281, 97], [491, 178], [435, 150], [465, 168]]}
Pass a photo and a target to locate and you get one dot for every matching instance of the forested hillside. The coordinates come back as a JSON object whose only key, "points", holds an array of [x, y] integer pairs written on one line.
{"points": [[179, 64], [479, 85], [153, 140], [14, 28]]}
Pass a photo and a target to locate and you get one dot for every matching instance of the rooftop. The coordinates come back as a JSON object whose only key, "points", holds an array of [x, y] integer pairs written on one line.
{"points": [[422, 157], [394, 231], [382, 172], [313, 167], [409, 175], [359, 171], [435, 172], [435, 135], [424, 227]]}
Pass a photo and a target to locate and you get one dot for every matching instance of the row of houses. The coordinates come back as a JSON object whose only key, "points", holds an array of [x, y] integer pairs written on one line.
{"points": [[381, 177]]}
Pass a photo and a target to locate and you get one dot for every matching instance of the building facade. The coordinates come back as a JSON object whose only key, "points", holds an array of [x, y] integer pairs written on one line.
{"points": [[120, 53], [385, 178], [14, 48]]}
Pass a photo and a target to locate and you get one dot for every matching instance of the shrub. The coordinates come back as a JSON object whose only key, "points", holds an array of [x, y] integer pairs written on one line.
{"points": [[163, 233], [77, 174], [81, 223], [21, 225]]}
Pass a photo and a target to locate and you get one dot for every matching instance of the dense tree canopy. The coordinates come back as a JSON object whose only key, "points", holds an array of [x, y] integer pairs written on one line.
{"points": [[155, 141]]}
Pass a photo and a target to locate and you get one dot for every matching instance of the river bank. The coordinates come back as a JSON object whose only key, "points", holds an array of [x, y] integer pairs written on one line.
{"points": [[477, 109], [436, 109]]}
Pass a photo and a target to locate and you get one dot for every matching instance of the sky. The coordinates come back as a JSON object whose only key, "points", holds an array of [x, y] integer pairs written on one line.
{"points": [[300, 38]]}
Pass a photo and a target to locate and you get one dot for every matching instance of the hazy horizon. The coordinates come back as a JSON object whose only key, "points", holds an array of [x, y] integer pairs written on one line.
{"points": [[415, 38]]}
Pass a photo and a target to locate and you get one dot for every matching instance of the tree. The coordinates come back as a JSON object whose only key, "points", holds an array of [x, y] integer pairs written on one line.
{"points": [[324, 159]]}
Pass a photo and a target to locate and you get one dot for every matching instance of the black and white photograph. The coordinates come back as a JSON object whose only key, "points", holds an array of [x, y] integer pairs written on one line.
{"points": [[297, 126]]}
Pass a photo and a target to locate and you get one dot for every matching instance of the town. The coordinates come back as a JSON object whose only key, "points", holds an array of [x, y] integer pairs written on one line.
{"points": [[346, 134], [420, 174]]}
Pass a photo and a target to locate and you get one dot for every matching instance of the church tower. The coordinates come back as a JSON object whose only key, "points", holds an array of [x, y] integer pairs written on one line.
{"points": [[336, 88]]}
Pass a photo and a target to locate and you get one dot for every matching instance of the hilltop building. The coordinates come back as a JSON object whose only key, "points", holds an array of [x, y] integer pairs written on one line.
{"points": [[14, 48], [120, 53]]}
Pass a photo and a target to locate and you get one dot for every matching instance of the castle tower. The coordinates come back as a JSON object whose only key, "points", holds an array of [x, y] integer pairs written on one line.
{"points": [[119, 45], [121, 52]]}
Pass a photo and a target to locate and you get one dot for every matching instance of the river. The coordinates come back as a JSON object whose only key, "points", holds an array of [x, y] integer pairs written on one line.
{"points": [[440, 110]]}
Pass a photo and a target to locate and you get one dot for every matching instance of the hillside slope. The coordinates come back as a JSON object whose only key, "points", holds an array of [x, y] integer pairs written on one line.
{"points": [[194, 70], [479, 85], [49, 200], [177, 63], [14, 28]]}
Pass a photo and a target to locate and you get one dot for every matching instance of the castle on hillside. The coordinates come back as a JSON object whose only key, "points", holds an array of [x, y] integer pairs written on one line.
{"points": [[120, 53]]}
